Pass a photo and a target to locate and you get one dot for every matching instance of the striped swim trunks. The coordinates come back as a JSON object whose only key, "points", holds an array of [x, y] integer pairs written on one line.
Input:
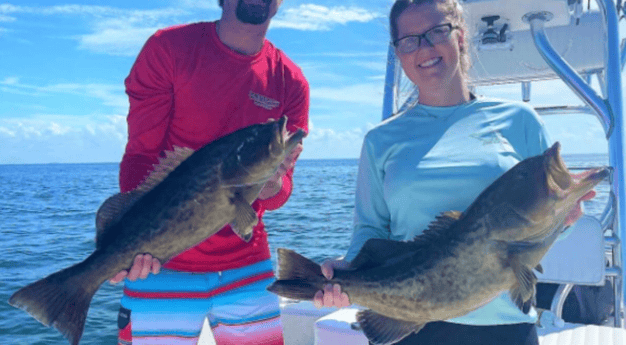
{"points": [[171, 307]]}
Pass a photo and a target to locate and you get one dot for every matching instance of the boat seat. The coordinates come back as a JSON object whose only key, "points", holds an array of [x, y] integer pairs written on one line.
{"points": [[575, 334], [336, 328], [298, 320], [578, 258]]}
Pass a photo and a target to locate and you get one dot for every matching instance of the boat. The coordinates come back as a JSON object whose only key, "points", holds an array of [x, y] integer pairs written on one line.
{"points": [[522, 42]]}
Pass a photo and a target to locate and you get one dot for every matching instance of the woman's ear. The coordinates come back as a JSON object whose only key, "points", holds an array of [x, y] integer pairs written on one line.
{"points": [[461, 39]]}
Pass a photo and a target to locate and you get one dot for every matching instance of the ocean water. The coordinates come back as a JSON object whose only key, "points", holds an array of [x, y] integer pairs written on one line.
{"points": [[47, 217]]}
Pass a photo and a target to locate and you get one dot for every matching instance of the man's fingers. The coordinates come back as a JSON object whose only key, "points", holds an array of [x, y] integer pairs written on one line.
{"points": [[118, 277], [156, 266], [146, 266], [135, 270]]}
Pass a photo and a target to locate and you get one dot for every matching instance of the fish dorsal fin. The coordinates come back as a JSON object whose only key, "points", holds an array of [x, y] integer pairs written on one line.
{"points": [[165, 166], [380, 329], [114, 208], [539, 268], [376, 252], [442, 222], [438, 229]]}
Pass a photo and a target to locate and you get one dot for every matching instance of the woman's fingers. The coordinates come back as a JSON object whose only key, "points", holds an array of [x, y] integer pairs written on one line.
{"points": [[327, 269], [329, 300], [318, 299]]}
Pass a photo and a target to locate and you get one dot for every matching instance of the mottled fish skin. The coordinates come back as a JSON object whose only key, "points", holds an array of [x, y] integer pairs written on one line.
{"points": [[462, 262], [189, 197]]}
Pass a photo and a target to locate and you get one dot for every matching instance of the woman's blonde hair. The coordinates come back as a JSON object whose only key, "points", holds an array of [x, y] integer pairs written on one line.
{"points": [[453, 10]]}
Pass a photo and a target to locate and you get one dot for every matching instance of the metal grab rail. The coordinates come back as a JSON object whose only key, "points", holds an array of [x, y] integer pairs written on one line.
{"points": [[609, 112], [566, 72]]}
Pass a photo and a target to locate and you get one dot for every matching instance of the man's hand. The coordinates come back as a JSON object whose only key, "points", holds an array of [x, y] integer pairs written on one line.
{"points": [[142, 266], [275, 183]]}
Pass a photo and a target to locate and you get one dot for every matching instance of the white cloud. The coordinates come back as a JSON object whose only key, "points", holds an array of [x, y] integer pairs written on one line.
{"points": [[114, 31], [10, 81], [7, 132], [365, 94], [8, 8], [122, 32], [57, 129], [63, 139], [200, 4], [110, 95], [327, 143], [311, 17], [4, 18], [118, 40]]}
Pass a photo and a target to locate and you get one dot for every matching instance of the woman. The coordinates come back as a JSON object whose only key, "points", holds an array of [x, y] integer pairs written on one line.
{"points": [[438, 156]]}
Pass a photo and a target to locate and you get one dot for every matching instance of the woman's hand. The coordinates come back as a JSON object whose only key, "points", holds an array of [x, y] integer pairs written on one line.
{"points": [[332, 296], [577, 212], [142, 266]]}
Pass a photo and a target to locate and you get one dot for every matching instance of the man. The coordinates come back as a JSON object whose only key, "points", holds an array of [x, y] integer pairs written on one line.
{"points": [[190, 85]]}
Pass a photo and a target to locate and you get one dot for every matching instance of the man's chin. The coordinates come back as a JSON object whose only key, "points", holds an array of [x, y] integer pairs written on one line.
{"points": [[255, 15]]}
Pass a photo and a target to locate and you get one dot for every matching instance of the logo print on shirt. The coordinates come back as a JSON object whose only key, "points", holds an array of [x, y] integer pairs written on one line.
{"points": [[263, 102], [495, 138]]}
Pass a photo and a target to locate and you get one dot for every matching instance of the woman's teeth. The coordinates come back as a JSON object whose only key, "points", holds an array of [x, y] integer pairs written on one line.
{"points": [[431, 62]]}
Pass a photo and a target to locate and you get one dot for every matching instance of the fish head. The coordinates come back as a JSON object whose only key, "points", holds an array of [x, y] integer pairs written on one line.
{"points": [[565, 189], [539, 193], [260, 154]]}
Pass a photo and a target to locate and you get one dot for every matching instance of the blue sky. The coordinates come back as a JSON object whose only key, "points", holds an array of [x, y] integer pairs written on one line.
{"points": [[62, 67]]}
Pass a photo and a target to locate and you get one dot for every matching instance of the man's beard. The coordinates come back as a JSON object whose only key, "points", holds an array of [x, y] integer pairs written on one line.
{"points": [[253, 14]]}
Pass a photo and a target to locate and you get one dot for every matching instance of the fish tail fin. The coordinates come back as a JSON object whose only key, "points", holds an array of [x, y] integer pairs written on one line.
{"points": [[61, 299], [298, 277]]}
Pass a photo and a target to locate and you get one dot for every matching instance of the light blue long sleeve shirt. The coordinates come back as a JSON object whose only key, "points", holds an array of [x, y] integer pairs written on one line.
{"points": [[428, 160]]}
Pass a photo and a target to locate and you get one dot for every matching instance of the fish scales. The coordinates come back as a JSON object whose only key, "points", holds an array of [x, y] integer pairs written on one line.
{"points": [[187, 198], [462, 261]]}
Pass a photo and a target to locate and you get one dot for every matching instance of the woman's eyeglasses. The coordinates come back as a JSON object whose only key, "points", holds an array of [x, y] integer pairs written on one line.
{"points": [[435, 35]]}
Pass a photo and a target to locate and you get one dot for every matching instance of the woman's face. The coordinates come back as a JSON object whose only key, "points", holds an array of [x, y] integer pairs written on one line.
{"points": [[434, 68]]}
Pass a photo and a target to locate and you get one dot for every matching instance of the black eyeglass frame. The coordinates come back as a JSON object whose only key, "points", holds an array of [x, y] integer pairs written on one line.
{"points": [[423, 36]]}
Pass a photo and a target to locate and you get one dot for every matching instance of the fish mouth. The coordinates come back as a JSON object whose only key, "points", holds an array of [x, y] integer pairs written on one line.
{"points": [[290, 139], [557, 171], [563, 182], [593, 176]]}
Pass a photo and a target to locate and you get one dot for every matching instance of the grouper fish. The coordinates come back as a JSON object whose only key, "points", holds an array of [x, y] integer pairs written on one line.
{"points": [[187, 198], [462, 261]]}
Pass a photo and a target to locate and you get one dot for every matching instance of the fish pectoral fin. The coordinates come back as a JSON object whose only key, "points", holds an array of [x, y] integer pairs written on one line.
{"points": [[539, 268], [112, 210], [524, 289], [245, 220], [380, 329]]}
